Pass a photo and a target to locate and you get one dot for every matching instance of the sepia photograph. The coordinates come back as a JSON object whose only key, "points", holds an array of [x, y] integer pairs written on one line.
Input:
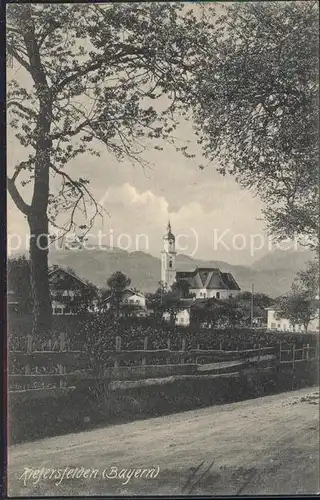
{"points": [[162, 288]]}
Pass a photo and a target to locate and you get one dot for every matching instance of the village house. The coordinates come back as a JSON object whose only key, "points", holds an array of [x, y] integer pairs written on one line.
{"points": [[284, 324], [132, 303], [182, 317], [66, 289]]}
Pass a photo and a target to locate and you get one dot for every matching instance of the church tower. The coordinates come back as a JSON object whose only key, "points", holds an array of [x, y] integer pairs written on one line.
{"points": [[168, 258]]}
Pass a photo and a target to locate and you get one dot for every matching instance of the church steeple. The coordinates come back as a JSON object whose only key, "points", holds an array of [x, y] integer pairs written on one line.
{"points": [[168, 258], [169, 235]]}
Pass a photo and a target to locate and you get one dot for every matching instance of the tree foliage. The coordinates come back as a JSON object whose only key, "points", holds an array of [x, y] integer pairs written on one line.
{"points": [[255, 98], [165, 300], [117, 282], [95, 72], [301, 304]]}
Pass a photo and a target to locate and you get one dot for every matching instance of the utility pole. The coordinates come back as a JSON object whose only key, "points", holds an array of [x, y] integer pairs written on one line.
{"points": [[252, 294]]}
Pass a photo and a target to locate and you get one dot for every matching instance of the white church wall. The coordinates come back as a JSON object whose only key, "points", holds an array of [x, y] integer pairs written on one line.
{"points": [[203, 293]]}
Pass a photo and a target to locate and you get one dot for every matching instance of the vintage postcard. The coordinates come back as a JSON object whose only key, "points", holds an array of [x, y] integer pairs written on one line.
{"points": [[162, 248]]}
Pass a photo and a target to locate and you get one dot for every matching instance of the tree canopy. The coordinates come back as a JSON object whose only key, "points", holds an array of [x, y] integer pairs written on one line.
{"points": [[301, 304], [95, 72], [255, 101]]}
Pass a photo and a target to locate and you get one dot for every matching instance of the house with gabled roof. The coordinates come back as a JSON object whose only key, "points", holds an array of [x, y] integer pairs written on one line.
{"points": [[132, 302], [285, 325], [65, 288]]}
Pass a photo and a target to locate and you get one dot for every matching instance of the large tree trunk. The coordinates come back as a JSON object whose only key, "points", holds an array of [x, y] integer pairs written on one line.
{"points": [[37, 211], [42, 311], [39, 227]]}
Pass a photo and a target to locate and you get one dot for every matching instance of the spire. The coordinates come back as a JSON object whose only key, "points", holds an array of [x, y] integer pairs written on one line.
{"points": [[169, 235]]}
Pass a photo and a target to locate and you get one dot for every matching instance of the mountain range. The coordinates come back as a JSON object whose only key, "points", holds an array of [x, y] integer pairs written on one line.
{"points": [[272, 274]]}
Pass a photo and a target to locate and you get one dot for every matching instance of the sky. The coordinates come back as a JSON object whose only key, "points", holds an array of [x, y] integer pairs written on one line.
{"points": [[211, 216]]}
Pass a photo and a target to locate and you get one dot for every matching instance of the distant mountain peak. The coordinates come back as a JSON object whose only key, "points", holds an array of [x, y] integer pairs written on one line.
{"points": [[271, 274]]}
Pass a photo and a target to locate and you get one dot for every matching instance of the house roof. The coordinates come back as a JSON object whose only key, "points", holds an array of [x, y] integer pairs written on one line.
{"points": [[134, 292], [208, 278], [126, 290], [61, 269]]}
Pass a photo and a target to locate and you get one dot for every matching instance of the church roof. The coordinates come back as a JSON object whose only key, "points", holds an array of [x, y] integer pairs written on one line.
{"points": [[208, 278], [126, 291]]}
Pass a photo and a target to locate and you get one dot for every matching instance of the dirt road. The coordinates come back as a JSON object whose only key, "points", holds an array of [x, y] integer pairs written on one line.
{"points": [[268, 445]]}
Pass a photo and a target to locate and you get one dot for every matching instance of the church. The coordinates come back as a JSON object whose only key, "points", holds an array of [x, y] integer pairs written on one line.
{"points": [[202, 282]]}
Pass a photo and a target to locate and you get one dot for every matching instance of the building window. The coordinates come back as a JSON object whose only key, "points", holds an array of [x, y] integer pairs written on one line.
{"points": [[126, 301], [273, 325], [279, 325], [181, 320], [201, 294], [230, 296], [170, 263], [218, 295], [137, 301], [67, 310], [58, 310], [131, 301]]}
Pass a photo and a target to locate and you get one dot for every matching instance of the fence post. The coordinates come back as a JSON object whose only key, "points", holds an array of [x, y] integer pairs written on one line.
{"points": [[293, 355], [62, 368], [62, 341], [145, 347], [307, 353], [50, 344], [278, 358], [198, 349], [27, 368], [220, 345], [118, 348], [259, 354], [183, 348], [169, 347], [280, 349]]}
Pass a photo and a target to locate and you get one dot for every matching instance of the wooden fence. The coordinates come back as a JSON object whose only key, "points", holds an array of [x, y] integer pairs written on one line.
{"points": [[72, 366]]}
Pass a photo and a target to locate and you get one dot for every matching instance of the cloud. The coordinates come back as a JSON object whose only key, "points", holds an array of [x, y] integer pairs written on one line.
{"points": [[140, 201], [135, 212]]}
